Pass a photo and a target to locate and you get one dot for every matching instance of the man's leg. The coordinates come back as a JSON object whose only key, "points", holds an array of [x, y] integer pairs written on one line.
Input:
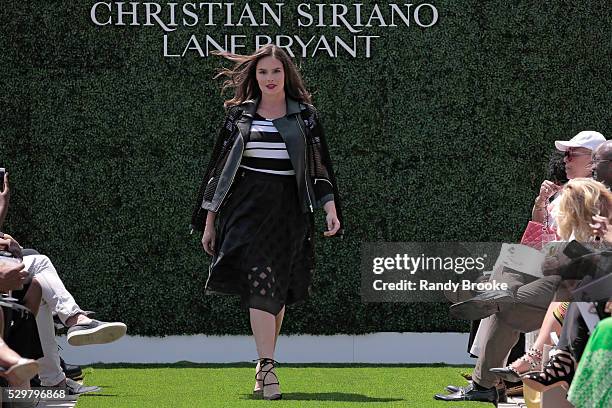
{"points": [[502, 338], [54, 293], [50, 371], [83, 330], [525, 313]]}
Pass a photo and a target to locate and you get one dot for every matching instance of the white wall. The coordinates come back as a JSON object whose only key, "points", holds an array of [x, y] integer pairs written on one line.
{"points": [[449, 348]]}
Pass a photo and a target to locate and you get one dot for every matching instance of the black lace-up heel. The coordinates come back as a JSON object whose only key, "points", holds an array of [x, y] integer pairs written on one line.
{"points": [[559, 370], [266, 365]]}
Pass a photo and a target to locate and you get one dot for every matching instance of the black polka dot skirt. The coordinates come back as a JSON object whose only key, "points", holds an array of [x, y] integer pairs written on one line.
{"points": [[263, 245]]}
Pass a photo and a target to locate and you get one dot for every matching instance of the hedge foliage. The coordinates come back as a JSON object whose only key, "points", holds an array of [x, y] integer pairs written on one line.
{"points": [[441, 136]]}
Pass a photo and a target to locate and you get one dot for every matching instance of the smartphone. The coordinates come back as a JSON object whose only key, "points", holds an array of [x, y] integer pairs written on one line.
{"points": [[2, 171]]}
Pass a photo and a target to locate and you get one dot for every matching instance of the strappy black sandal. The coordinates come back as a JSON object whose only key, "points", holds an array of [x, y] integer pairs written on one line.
{"points": [[263, 363], [559, 371]]}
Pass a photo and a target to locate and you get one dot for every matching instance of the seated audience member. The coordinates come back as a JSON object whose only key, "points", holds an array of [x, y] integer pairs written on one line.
{"points": [[15, 369], [56, 298], [525, 307], [578, 153], [557, 177], [594, 370], [581, 200]]}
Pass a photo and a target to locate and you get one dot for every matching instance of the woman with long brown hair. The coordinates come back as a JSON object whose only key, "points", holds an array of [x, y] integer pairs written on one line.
{"points": [[269, 169]]}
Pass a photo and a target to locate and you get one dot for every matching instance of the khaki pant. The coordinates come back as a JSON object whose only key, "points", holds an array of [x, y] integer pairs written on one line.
{"points": [[524, 314]]}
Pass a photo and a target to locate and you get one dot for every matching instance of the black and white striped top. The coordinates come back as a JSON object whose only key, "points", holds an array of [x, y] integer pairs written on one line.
{"points": [[265, 150]]}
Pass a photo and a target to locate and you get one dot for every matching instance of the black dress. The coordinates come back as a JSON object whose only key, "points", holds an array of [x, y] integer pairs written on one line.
{"points": [[263, 248]]}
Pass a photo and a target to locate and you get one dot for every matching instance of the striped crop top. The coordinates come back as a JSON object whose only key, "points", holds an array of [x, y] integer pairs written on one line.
{"points": [[265, 150]]}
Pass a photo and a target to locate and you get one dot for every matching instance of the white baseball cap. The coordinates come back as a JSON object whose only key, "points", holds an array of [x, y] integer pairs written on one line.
{"points": [[587, 138]]}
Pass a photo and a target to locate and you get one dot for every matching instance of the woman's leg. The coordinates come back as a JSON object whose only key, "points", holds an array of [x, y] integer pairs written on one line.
{"points": [[279, 323], [53, 290], [264, 326], [549, 325]]}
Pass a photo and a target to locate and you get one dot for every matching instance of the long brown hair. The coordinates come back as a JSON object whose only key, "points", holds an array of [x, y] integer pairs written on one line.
{"points": [[242, 77], [581, 199]]}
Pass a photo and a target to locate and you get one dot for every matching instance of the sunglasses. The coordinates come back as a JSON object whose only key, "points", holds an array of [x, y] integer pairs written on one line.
{"points": [[569, 154]]}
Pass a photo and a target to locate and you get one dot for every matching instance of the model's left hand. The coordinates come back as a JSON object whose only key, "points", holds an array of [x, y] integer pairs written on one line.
{"points": [[333, 223]]}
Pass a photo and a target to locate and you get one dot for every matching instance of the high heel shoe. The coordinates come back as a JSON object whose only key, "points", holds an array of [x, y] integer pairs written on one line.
{"points": [[559, 370], [266, 365], [533, 357]]}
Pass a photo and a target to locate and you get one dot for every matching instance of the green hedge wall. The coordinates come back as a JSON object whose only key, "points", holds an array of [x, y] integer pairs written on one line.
{"points": [[442, 135]]}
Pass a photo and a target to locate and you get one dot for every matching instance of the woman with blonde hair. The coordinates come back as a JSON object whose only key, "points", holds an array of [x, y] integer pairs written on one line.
{"points": [[581, 200]]}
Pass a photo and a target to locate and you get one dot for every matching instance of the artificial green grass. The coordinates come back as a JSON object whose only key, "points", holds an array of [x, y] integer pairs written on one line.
{"points": [[223, 385]]}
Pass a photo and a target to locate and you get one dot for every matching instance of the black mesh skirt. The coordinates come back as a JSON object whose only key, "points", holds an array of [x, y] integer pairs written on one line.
{"points": [[263, 249]]}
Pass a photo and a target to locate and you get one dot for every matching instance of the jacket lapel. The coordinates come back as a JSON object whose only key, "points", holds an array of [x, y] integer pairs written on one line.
{"points": [[291, 133], [245, 121]]}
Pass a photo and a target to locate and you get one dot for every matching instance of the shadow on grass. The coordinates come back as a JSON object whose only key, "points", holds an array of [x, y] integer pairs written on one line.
{"points": [[327, 396]]}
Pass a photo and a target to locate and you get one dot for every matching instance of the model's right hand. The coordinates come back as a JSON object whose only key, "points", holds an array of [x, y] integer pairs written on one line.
{"points": [[208, 240]]}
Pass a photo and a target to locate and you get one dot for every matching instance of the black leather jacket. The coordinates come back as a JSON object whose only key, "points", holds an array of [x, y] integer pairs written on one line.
{"points": [[303, 135]]}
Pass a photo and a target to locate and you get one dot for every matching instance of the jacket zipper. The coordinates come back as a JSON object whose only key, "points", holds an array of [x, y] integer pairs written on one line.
{"points": [[305, 162]]}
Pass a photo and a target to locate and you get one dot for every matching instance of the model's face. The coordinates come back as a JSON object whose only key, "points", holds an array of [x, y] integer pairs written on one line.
{"points": [[270, 76], [578, 162], [602, 166]]}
